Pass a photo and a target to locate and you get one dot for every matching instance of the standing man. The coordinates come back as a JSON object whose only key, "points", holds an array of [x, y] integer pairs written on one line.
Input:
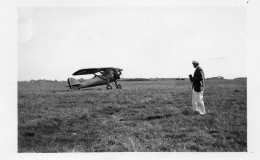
{"points": [[198, 84]]}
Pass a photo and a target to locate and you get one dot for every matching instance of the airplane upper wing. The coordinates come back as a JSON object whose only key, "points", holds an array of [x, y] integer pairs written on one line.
{"points": [[92, 70]]}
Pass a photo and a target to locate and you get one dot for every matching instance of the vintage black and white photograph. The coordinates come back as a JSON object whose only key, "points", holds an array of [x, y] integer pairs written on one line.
{"points": [[132, 79], [151, 80]]}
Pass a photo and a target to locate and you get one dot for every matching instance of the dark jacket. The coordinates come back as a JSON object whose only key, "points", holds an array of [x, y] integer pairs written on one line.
{"points": [[198, 80]]}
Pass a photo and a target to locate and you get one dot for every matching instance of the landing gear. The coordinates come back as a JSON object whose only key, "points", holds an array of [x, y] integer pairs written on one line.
{"points": [[75, 88], [109, 87], [118, 86]]}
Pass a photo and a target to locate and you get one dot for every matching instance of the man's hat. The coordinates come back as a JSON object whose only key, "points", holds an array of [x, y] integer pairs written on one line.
{"points": [[195, 62]]}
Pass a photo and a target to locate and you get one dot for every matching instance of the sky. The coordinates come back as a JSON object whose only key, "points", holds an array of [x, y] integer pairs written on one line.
{"points": [[146, 42]]}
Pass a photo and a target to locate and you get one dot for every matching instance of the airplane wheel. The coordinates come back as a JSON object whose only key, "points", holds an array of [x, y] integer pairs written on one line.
{"points": [[119, 86], [109, 87], [76, 88]]}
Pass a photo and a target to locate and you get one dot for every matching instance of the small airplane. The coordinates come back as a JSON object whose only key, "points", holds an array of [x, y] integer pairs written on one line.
{"points": [[107, 76]]}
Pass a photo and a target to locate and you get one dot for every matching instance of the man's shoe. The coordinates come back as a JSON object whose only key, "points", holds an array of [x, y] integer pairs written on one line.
{"points": [[197, 112]]}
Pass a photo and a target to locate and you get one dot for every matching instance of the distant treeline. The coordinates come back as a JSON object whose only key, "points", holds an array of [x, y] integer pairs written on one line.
{"points": [[41, 80], [123, 79], [151, 79], [241, 78], [221, 78], [132, 79], [218, 77]]}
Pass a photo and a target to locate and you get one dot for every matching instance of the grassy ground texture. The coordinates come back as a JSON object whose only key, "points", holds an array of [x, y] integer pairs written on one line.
{"points": [[147, 116]]}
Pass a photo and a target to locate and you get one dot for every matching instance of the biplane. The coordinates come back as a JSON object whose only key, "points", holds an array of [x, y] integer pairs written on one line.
{"points": [[106, 77]]}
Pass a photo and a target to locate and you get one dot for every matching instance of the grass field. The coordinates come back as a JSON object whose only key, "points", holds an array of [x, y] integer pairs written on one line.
{"points": [[147, 116]]}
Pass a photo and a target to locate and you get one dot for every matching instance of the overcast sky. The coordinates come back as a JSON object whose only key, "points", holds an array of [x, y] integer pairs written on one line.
{"points": [[149, 42]]}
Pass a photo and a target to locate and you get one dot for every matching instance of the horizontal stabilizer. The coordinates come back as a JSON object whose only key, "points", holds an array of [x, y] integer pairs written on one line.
{"points": [[73, 83]]}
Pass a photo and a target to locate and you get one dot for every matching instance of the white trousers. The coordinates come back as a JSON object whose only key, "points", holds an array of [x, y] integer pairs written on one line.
{"points": [[197, 102]]}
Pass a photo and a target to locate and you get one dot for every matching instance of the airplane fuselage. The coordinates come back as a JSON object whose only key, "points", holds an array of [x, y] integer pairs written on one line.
{"points": [[95, 81]]}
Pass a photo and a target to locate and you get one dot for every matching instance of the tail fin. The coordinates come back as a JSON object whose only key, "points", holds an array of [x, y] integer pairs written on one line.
{"points": [[72, 83]]}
